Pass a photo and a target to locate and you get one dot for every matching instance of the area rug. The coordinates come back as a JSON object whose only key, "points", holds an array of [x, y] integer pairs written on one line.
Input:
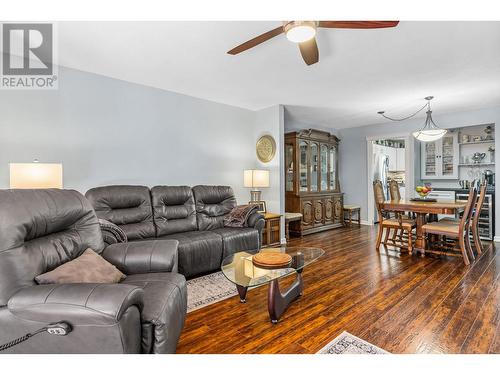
{"points": [[345, 343], [209, 289]]}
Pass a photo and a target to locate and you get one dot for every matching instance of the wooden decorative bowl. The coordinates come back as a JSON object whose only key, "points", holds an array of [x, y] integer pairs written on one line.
{"points": [[271, 260]]}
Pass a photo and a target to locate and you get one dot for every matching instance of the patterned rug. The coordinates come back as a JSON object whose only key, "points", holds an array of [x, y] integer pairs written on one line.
{"points": [[345, 343], [209, 289]]}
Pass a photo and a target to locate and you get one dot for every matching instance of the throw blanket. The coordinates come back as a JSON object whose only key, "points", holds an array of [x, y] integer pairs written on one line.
{"points": [[238, 216], [112, 233]]}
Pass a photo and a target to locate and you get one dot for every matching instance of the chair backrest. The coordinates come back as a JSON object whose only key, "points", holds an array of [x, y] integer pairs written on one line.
{"points": [[394, 190], [378, 192], [40, 229], [479, 204], [173, 209], [471, 201], [127, 206], [212, 204]]}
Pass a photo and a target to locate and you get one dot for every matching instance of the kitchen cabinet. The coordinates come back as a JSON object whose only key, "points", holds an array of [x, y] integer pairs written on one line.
{"points": [[392, 153], [400, 159], [396, 156], [439, 159], [312, 186]]}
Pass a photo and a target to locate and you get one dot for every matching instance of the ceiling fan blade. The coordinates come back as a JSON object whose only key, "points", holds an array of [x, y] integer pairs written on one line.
{"points": [[357, 24], [309, 51], [256, 41]]}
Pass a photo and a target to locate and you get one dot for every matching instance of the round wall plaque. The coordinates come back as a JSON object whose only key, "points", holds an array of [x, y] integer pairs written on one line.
{"points": [[266, 148]]}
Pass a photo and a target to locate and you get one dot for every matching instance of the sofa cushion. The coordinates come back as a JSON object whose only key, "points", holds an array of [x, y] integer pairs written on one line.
{"points": [[41, 229], [238, 239], [165, 305], [212, 204], [198, 251], [89, 267], [173, 209], [127, 206]]}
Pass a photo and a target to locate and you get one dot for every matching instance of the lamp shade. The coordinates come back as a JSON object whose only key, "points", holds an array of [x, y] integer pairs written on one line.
{"points": [[429, 135], [35, 175], [256, 178]]}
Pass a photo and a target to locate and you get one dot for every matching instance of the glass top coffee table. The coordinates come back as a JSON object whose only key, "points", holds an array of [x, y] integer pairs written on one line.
{"points": [[239, 269]]}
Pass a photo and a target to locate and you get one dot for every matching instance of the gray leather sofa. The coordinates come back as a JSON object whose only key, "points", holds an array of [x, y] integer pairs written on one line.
{"points": [[42, 229], [192, 216]]}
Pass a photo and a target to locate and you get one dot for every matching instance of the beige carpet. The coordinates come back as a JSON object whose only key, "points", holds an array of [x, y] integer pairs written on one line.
{"points": [[209, 289], [345, 343]]}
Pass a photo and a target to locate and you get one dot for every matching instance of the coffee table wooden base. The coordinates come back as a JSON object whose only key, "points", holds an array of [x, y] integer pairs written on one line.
{"points": [[277, 302], [242, 291]]}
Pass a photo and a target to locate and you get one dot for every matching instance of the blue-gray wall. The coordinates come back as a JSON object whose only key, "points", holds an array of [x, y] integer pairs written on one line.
{"points": [[107, 131]]}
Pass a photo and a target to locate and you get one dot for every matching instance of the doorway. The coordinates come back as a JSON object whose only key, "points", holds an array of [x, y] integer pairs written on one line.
{"points": [[389, 158]]}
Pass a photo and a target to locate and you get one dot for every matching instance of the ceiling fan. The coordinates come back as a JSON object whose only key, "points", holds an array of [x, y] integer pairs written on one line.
{"points": [[303, 33]]}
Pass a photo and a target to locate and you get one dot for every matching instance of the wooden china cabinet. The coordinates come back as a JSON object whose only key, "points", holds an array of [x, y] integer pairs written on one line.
{"points": [[311, 181]]}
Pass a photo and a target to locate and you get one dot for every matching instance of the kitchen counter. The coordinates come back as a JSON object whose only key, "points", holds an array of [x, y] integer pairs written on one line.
{"points": [[460, 190]]}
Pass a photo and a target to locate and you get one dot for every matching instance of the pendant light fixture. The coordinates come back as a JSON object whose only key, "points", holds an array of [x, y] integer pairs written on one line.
{"points": [[430, 131]]}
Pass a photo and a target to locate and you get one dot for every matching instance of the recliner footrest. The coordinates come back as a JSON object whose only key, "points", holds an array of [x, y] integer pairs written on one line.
{"points": [[165, 306]]}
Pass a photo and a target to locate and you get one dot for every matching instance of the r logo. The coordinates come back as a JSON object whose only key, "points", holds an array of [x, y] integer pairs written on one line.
{"points": [[27, 49]]}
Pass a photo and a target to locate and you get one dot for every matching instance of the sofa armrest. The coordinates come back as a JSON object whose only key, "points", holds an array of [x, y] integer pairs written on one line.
{"points": [[79, 304], [111, 233], [256, 220], [143, 256]]}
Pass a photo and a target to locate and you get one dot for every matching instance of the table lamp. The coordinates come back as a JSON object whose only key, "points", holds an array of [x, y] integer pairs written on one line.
{"points": [[255, 178], [35, 175]]}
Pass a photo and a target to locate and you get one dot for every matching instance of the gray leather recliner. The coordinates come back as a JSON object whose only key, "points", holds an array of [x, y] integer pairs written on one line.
{"points": [[192, 216], [42, 229]]}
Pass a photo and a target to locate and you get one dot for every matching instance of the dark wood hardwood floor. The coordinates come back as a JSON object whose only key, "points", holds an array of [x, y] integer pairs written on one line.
{"points": [[401, 303]]}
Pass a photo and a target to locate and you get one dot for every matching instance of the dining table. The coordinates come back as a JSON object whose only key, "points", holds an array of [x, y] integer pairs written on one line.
{"points": [[423, 208]]}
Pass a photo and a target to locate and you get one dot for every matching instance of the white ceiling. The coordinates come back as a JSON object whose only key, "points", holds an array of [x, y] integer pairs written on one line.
{"points": [[359, 73]]}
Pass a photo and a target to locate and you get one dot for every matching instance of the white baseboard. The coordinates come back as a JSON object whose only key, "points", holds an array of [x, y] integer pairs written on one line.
{"points": [[366, 222], [496, 238]]}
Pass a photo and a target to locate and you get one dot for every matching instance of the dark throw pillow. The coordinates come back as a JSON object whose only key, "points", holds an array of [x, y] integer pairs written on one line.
{"points": [[89, 267]]}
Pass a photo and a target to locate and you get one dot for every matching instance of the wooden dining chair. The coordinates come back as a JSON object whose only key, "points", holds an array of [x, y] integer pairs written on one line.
{"points": [[457, 230], [387, 223], [473, 227], [394, 190], [475, 219], [395, 195]]}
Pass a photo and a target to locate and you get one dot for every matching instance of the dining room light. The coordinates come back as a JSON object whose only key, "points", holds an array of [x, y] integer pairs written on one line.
{"points": [[430, 131]]}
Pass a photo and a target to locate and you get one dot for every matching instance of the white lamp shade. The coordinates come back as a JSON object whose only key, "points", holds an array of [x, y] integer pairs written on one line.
{"points": [[256, 178], [429, 135], [35, 175]]}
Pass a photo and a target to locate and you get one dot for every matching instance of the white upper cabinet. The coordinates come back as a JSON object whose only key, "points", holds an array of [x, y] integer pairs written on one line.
{"points": [[392, 153], [396, 156], [439, 159], [400, 159]]}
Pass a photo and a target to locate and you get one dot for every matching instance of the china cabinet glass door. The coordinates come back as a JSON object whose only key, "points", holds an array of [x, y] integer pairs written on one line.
{"points": [[448, 164], [303, 166], [333, 166], [324, 168], [289, 167], [314, 167], [430, 159]]}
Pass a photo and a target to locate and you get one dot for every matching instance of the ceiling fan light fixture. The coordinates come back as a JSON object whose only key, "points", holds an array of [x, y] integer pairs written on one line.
{"points": [[300, 31]]}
